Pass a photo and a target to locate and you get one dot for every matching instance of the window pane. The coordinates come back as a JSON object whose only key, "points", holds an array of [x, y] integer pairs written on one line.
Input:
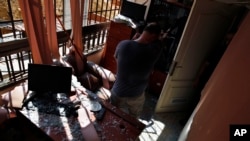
{"points": [[59, 8], [4, 16], [16, 11]]}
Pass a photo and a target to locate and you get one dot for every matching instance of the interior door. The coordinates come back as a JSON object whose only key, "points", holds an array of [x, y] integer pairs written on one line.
{"points": [[206, 26]]}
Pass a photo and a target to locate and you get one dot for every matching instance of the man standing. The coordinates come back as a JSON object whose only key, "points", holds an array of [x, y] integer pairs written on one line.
{"points": [[135, 62]]}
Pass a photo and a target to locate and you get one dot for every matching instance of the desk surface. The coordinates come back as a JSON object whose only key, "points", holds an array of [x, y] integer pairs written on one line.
{"points": [[60, 128], [115, 123]]}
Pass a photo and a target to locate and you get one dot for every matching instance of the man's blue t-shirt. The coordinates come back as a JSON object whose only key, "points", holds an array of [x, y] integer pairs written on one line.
{"points": [[135, 62]]}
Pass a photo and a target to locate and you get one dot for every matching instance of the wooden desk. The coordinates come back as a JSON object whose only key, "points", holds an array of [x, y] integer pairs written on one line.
{"points": [[114, 125]]}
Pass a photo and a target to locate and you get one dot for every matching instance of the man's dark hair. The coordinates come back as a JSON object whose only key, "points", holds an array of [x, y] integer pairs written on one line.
{"points": [[153, 28]]}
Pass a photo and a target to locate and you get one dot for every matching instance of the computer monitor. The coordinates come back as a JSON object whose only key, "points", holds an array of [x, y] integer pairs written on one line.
{"points": [[49, 78], [133, 10]]}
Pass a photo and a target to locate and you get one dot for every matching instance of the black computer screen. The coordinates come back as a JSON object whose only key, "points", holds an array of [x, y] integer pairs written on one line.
{"points": [[133, 10], [49, 78]]}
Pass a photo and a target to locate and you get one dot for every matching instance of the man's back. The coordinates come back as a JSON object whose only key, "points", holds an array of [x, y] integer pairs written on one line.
{"points": [[135, 63]]}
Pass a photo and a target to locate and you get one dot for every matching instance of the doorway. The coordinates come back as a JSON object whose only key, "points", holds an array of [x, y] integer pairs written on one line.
{"points": [[206, 35]]}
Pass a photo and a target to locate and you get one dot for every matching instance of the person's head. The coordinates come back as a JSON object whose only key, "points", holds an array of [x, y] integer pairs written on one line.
{"points": [[150, 33], [153, 28]]}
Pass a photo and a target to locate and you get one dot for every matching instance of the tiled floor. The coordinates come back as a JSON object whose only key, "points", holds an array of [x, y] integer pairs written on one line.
{"points": [[160, 126]]}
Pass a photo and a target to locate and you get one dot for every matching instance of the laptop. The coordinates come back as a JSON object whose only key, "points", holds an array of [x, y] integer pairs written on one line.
{"points": [[47, 79]]}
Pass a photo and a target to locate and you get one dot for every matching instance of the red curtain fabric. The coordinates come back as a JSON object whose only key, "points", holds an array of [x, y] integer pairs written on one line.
{"points": [[34, 26], [50, 17], [77, 16]]}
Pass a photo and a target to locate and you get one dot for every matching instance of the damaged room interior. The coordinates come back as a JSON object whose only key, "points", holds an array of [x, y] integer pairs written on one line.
{"points": [[59, 67]]}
